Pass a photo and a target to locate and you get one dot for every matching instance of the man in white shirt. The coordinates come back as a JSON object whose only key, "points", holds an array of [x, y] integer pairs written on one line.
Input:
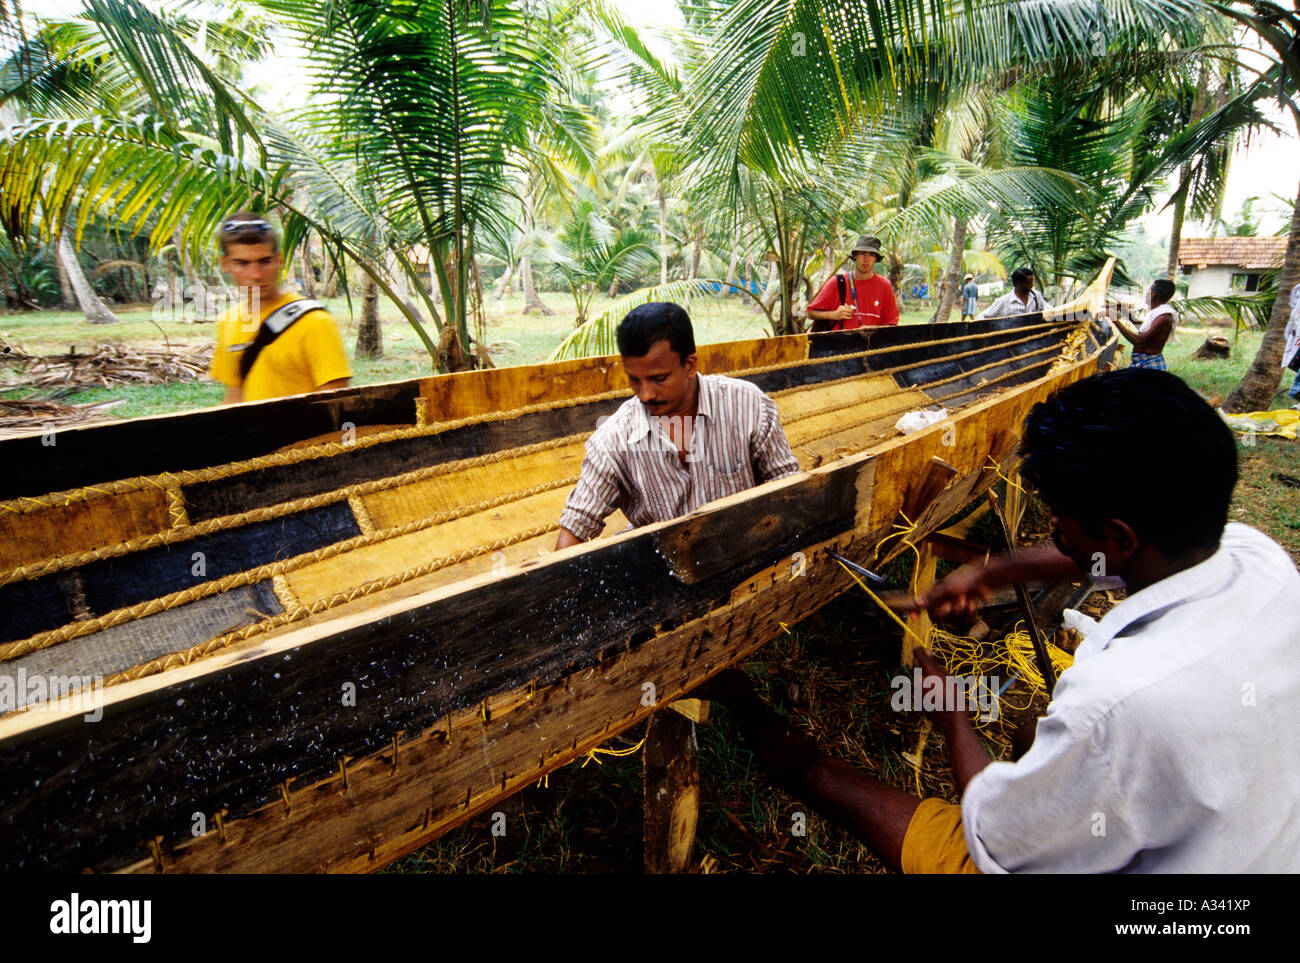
{"points": [[1021, 299], [1291, 347], [1149, 340], [1162, 747]]}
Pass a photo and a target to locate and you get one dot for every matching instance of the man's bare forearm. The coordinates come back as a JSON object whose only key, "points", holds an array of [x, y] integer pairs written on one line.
{"points": [[1129, 333], [1037, 563], [566, 539], [966, 748]]}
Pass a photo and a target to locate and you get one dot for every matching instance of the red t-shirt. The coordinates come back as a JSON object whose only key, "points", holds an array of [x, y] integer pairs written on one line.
{"points": [[874, 303]]}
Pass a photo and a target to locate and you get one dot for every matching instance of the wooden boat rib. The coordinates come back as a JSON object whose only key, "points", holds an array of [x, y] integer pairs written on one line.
{"points": [[330, 627]]}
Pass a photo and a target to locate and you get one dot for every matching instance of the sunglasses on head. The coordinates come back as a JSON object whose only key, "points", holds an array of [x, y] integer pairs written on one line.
{"points": [[238, 227]]}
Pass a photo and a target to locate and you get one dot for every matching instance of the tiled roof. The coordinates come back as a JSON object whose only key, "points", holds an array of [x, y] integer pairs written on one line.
{"points": [[1244, 252]]}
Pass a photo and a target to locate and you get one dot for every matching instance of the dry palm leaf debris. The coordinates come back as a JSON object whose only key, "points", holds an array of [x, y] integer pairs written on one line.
{"points": [[40, 414], [105, 366]]}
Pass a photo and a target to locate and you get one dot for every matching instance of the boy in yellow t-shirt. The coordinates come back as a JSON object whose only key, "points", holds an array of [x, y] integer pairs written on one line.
{"points": [[307, 353]]}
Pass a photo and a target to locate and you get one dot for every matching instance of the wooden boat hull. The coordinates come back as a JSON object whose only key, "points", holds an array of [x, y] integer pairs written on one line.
{"points": [[339, 739]]}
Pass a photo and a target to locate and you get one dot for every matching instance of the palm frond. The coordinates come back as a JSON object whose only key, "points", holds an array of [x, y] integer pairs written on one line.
{"points": [[596, 336]]}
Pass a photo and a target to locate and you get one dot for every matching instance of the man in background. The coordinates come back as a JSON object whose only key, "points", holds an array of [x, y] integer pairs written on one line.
{"points": [[969, 294], [860, 299], [1291, 348], [1149, 340], [1021, 299], [272, 342]]}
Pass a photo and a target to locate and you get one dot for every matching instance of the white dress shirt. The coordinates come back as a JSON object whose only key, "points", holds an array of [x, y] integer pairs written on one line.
{"points": [[1010, 305], [1292, 334], [1173, 743]]}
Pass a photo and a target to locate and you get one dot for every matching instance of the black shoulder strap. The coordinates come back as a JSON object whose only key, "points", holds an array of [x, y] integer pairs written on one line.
{"points": [[840, 283], [273, 325]]}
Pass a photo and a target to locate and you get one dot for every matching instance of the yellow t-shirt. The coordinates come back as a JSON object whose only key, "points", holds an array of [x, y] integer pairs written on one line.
{"points": [[308, 354]]}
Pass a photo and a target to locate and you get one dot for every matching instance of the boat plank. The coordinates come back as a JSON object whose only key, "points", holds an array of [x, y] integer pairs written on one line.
{"points": [[284, 710]]}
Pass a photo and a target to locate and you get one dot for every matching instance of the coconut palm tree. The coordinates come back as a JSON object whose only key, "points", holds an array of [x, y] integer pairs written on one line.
{"points": [[792, 82], [1278, 28], [421, 113]]}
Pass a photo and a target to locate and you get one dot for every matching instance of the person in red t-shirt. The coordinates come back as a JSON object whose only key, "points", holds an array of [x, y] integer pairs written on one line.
{"points": [[868, 297]]}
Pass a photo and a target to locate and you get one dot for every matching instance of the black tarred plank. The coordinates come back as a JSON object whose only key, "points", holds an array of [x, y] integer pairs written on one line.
{"points": [[282, 483], [271, 486], [37, 605], [923, 375], [115, 583], [76, 794], [121, 647], [91, 454]]}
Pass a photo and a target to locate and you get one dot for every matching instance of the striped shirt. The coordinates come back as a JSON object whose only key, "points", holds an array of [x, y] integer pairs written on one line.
{"points": [[632, 463]]}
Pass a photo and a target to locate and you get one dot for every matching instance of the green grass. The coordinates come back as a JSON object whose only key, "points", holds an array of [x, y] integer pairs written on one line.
{"points": [[1261, 498], [513, 338]]}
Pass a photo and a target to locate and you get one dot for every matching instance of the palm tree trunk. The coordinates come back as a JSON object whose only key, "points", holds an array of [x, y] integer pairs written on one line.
{"points": [[532, 301], [663, 234], [1199, 105], [398, 280], [330, 282], [95, 310], [370, 334], [193, 285], [304, 265], [1176, 233], [948, 297], [896, 275], [67, 296], [503, 286], [476, 300], [1258, 385], [731, 272], [771, 289]]}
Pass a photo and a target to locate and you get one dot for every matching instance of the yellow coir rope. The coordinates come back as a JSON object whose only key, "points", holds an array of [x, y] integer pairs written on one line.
{"points": [[329, 449], [174, 659], [593, 755], [275, 459], [172, 535], [72, 630], [961, 655], [997, 469]]}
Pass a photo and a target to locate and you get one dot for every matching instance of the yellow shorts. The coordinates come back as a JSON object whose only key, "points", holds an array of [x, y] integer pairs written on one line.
{"points": [[935, 842]]}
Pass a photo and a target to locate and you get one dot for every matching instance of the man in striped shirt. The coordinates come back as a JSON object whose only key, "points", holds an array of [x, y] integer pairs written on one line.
{"points": [[685, 439]]}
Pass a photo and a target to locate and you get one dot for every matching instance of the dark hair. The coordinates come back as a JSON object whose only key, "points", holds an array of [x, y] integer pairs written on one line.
{"points": [[1163, 289], [259, 231], [1137, 445], [656, 321], [1021, 274]]}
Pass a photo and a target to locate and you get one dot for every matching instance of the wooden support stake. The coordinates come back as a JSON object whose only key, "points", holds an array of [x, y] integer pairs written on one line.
{"points": [[926, 563], [697, 710], [957, 550], [1041, 657], [672, 792], [1015, 504]]}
